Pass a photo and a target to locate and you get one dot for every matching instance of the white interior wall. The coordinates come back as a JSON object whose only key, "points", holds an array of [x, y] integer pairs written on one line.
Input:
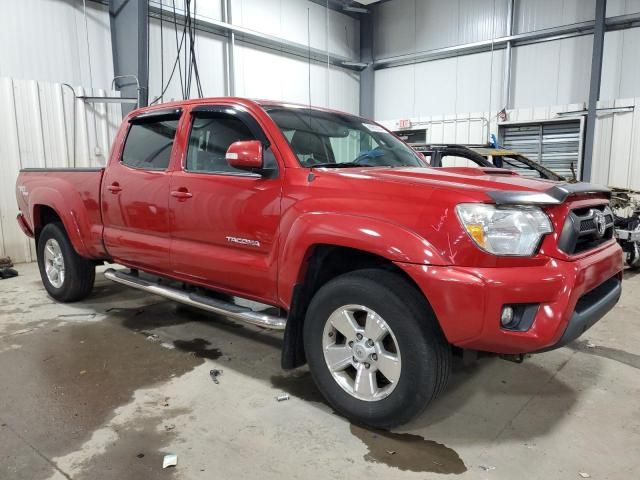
{"points": [[408, 26], [266, 74], [162, 57], [37, 117], [43, 125], [261, 72], [617, 135], [45, 45], [45, 40], [300, 21], [447, 86], [438, 95], [546, 73]]}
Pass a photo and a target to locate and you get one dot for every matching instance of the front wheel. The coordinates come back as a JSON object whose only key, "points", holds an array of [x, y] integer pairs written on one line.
{"points": [[374, 348], [66, 276]]}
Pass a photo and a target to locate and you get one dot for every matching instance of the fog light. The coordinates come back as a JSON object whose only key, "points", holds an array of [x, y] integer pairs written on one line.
{"points": [[507, 316]]}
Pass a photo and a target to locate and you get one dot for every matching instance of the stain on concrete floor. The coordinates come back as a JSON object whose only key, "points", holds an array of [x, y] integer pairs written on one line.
{"points": [[408, 452], [76, 379], [615, 354], [199, 347]]}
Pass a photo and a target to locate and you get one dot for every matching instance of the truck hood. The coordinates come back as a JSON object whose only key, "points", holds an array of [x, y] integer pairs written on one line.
{"points": [[501, 186], [458, 178]]}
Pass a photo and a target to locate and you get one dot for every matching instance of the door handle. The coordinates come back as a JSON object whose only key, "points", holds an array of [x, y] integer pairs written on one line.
{"points": [[114, 187], [182, 193]]}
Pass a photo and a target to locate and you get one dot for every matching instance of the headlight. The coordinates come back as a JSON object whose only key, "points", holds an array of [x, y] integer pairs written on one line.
{"points": [[504, 230]]}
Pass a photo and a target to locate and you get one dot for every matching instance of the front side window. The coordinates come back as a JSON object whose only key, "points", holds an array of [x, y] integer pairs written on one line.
{"points": [[209, 140], [329, 139], [148, 145]]}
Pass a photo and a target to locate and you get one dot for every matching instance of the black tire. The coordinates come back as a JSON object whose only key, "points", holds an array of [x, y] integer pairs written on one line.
{"points": [[80, 273], [425, 353]]}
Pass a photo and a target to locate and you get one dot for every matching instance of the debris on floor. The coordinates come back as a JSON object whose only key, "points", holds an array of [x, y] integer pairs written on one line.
{"points": [[486, 468], [169, 427], [6, 270], [5, 262], [215, 373], [282, 398], [170, 460], [585, 475]]}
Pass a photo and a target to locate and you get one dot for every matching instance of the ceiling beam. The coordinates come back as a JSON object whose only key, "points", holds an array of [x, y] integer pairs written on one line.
{"points": [[536, 36], [263, 40]]}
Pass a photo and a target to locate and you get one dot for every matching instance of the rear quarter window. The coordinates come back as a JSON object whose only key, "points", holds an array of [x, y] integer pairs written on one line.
{"points": [[148, 145]]}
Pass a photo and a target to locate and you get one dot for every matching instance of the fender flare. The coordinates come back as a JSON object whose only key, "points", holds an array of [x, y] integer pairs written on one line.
{"points": [[51, 198], [384, 239]]}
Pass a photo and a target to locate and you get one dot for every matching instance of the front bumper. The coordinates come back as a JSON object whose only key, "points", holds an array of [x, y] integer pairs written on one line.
{"points": [[571, 297]]}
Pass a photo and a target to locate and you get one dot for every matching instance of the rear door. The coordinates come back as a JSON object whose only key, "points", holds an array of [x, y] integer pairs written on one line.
{"points": [[225, 221], [135, 193]]}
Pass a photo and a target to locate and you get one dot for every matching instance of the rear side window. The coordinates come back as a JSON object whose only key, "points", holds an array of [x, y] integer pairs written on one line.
{"points": [[209, 140], [148, 145]]}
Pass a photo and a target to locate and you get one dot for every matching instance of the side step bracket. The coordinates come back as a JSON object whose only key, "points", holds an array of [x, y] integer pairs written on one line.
{"points": [[227, 309]]}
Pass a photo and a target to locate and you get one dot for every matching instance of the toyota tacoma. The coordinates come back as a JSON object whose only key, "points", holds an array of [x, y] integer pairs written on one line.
{"points": [[377, 265]]}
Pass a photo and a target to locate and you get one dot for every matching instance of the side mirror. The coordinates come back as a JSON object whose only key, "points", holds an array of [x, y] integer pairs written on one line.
{"points": [[246, 155]]}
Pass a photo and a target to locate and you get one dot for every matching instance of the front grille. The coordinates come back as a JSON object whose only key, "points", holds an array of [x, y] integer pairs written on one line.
{"points": [[585, 229], [587, 225]]}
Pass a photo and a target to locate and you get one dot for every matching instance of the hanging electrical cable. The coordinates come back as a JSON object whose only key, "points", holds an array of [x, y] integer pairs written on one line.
{"points": [[161, 53], [178, 47], [191, 70], [195, 58], [176, 63]]}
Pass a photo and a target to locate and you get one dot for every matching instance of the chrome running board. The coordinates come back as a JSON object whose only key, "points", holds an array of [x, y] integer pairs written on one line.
{"points": [[227, 309]]}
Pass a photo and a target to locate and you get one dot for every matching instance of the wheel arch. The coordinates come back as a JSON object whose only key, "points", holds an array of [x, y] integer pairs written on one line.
{"points": [[324, 262], [44, 213]]}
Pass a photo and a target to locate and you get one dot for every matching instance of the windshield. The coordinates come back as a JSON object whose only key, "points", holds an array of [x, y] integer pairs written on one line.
{"points": [[328, 139]]}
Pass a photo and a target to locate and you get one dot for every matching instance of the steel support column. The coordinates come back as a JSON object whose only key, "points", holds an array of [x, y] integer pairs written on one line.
{"points": [[367, 76], [229, 51], [594, 87], [130, 46], [506, 87]]}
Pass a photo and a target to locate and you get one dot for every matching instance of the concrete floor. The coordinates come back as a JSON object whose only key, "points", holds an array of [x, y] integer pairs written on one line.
{"points": [[102, 389]]}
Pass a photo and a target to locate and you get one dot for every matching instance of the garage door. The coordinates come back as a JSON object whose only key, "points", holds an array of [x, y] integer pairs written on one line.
{"points": [[554, 144]]}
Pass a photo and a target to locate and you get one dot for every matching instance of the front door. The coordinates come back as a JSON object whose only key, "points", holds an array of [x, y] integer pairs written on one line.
{"points": [[135, 193], [225, 221]]}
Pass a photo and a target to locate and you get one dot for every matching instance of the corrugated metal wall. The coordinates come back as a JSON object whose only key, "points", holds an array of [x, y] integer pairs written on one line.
{"points": [[460, 84], [263, 73], [617, 136], [44, 125], [406, 26], [45, 40], [547, 73], [440, 93]]}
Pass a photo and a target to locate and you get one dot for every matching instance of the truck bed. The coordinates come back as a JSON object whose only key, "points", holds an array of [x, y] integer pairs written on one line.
{"points": [[65, 190]]}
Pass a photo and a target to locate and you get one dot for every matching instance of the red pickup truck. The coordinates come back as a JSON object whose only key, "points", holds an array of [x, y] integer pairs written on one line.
{"points": [[377, 265]]}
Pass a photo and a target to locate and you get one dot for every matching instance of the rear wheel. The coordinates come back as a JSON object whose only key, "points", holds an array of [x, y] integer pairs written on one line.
{"points": [[66, 276], [374, 348]]}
